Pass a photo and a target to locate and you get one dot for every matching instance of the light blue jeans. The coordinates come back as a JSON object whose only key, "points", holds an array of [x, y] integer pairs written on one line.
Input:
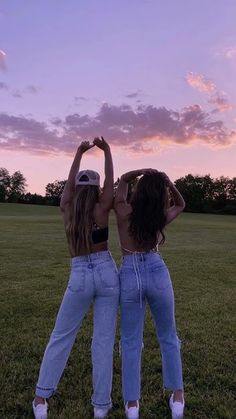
{"points": [[145, 277], [93, 278]]}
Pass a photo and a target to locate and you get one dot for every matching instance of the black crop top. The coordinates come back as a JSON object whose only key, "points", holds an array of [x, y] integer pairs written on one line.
{"points": [[99, 235]]}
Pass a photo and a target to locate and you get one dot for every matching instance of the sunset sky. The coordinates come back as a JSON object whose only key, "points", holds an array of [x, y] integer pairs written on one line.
{"points": [[156, 78]]}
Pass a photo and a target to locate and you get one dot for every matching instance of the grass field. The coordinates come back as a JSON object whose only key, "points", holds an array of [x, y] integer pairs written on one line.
{"points": [[200, 252]]}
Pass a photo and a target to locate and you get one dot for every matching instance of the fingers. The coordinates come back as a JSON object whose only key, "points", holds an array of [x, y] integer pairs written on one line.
{"points": [[97, 141], [85, 145], [100, 143], [150, 170]]}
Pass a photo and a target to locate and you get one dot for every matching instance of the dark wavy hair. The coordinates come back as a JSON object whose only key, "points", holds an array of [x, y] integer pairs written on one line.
{"points": [[149, 202]]}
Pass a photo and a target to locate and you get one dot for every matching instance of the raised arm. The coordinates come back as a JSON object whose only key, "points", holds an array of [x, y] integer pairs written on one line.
{"points": [[122, 189], [106, 198], [179, 203], [69, 189]]}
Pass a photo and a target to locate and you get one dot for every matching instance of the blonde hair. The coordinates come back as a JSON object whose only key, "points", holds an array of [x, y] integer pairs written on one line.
{"points": [[79, 227]]}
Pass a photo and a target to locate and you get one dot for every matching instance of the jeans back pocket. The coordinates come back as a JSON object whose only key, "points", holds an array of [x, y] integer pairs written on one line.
{"points": [[160, 277], [108, 275], [128, 280], [77, 280]]}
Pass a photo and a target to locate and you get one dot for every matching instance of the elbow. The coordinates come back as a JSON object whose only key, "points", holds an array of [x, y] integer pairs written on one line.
{"points": [[181, 207]]}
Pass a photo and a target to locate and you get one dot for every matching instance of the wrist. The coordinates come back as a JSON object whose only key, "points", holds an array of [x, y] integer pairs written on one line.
{"points": [[106, 148], [79, 153]]}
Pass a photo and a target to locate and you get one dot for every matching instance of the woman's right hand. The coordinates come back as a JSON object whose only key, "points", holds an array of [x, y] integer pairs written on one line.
{"points": [[147, 171], [85, 146]]}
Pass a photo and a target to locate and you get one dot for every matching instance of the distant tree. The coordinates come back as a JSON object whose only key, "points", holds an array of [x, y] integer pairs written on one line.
{"points": [[197, 192], [34, 199], [204, 194], [11, 187], [17, 186], [223, 188], [5, 180], [54, 191], [225, 195], [232, 189]]}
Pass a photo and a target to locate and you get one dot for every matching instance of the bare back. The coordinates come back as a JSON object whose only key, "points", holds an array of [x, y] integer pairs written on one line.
{"points": [[127, 243], [123, 209], [101, 218]]}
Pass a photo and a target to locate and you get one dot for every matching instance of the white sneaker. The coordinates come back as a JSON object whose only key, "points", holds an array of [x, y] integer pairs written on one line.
{"points": [[132, 412], [41, 410], [100, 413], [177, 408]]}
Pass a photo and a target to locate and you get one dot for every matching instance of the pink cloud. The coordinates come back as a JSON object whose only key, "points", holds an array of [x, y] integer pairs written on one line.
{"points": [[221, 102], [199, 82], [217, 98], [138, 130], [22, 133]]}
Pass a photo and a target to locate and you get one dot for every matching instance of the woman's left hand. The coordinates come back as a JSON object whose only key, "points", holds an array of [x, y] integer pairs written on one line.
{"points": [[101, 143]]}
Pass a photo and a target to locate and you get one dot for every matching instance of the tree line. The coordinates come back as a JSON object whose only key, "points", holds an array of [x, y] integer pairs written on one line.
{"points": [[201, 193]]}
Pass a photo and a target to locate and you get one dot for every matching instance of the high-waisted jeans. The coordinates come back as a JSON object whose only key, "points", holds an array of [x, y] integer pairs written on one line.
{"points": [[92, 278], [144, 276]]}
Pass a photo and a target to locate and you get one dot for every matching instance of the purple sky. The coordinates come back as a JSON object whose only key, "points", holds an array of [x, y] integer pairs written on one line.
{"points": [[156, 79]]}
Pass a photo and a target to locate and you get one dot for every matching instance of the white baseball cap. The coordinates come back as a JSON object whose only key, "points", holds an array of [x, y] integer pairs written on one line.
{"points": [[87, 177]]}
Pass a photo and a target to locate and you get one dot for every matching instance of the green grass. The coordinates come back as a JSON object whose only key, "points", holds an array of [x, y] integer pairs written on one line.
{"points": [[200, 253]]}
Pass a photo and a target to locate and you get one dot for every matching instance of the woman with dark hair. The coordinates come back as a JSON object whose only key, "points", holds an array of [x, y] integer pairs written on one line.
{"points": [[145, 277], [93, 278]]}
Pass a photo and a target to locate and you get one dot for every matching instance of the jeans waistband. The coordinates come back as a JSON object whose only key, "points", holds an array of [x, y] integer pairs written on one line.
{"points": [[104, 255], [142, 257]]}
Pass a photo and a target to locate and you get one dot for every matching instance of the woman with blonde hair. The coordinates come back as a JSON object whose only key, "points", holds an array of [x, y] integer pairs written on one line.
{"points": [[144, 277], [93, 278]]}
